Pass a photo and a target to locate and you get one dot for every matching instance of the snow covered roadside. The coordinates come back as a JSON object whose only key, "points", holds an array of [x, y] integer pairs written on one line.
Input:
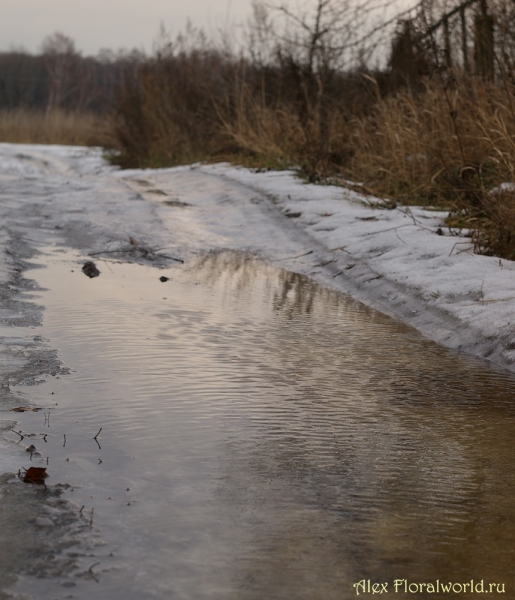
{"points": [[403, 262], [392, 260], [60, 197]]}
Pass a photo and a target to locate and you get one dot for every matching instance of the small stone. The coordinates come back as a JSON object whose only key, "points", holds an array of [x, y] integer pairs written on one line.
{"points": [[163, 279], [90, 269]]}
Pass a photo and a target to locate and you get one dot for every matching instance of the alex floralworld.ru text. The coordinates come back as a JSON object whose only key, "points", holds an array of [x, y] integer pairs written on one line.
{"points": [[399, 586]]}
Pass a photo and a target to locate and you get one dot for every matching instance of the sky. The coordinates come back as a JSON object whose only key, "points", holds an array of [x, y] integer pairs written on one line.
{"points": [[114, 24]]}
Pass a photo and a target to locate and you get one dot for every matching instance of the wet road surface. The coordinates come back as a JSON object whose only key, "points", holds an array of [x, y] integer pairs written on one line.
{"points": [[264, 437]]}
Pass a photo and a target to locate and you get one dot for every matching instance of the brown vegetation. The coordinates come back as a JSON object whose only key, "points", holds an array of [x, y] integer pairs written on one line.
{"points": [[434, 126], [449, 147], [24, 126]]}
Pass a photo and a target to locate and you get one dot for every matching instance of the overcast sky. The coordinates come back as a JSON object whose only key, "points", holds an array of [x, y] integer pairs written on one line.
{"points": [[96, 24]]}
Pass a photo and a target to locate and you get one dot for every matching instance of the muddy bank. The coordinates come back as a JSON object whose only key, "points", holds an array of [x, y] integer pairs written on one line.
{"points": [[42, 535]]}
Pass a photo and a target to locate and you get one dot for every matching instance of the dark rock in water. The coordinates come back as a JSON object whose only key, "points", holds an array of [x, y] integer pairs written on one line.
{"points": [[163, 278], [90, 269]]}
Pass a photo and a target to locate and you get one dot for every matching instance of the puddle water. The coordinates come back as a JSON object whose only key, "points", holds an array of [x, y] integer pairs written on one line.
{"points": [[263, 437]]}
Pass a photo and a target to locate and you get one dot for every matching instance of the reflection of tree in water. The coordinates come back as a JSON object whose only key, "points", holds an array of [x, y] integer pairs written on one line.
{"points": [[292, 293], [403, 446], [238, 269], [296, 295]]}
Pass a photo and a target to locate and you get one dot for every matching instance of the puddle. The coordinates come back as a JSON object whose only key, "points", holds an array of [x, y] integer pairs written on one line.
{"points": [[263, 437]]}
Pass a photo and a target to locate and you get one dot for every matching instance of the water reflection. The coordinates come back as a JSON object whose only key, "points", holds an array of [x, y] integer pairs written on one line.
{"points": [[289, 441], [400, 451]]}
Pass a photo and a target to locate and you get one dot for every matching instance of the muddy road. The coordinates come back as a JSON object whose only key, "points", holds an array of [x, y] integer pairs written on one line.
{"points": [[214, 423]]}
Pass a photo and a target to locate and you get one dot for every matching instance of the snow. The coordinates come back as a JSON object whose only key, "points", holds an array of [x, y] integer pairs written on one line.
{"points": [[402, 261]]}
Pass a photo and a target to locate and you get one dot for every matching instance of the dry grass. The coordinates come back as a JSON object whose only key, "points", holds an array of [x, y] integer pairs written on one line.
{"points": [[282, 133], [167, 113], [450, 145], [206, 106], [25, 126], [437, 143]]}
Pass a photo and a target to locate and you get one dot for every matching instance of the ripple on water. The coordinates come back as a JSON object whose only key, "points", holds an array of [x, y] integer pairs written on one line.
{"points": [[288, 440]]}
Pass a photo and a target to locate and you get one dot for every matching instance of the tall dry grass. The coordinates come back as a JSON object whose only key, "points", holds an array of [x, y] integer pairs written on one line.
{"points": [[451, 144], [277, 129], [442, 140], [431, 136], [210, 106], [165, 119], [25, 126]]}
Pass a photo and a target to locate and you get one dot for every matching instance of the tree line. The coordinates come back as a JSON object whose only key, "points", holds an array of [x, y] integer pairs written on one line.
{"points": [[59, 77]]}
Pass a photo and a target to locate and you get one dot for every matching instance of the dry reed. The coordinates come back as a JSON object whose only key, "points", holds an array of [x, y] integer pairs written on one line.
{"points": [[451, 145], [25, 126]]}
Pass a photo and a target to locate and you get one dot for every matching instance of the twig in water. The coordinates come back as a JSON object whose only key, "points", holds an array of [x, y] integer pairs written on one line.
{"points": [[17, 433], [81, 509], [96, 440], [90, 570], [91, 517], [107, 265], [64, 443]]}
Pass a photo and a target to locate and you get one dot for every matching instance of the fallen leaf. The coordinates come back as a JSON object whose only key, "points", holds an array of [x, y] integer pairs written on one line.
{"points": [[25, 409], [35, 475], [133, 241]]}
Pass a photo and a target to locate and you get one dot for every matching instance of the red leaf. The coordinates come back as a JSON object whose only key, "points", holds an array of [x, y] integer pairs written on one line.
{"points": [[35, 475]]}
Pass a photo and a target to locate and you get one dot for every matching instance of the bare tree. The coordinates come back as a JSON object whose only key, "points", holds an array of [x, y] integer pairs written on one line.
{"points": [[61, 59]]}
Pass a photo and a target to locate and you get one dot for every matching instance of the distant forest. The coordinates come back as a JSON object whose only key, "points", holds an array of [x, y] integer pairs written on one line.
{"points": [[61, 78]]}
